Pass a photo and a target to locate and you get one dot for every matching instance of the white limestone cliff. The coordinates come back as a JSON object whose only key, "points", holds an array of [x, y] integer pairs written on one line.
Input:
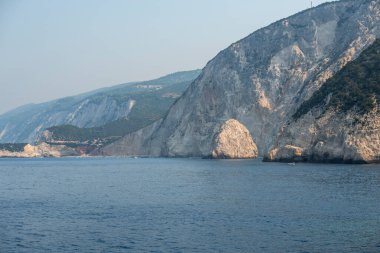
{"points": [[330, 137], [261, 80]]}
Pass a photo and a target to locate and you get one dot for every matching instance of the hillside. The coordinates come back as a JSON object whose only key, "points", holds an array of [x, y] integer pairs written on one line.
{"points": [[341, 121], [131, 105], [356, 85], [152, 105], [261, 81]]}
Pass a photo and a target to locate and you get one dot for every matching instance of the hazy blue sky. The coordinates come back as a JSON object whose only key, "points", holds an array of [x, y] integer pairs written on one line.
{"points": [[50, 48]]}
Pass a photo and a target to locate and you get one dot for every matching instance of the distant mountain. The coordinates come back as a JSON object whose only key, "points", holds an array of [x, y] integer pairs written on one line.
{"points": [[265, 79], [123, 108]]}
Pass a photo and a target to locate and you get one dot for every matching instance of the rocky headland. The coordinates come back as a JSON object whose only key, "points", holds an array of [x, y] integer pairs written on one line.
{"points": [[262, 80], [305, 88]]}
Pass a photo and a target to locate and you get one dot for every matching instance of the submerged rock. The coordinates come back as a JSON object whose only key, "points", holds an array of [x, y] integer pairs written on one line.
{"points": [[233, 141]]}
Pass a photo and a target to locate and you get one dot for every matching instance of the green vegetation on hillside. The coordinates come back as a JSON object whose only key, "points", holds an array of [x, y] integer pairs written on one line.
{"points": [[151, 105], [356, 85], [141, 115]]}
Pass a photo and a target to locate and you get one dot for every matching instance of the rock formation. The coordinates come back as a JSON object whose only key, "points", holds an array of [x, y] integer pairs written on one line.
{"points": [[340, 122], [261, 80], [330, 137], [232, 141], [41, 150]]}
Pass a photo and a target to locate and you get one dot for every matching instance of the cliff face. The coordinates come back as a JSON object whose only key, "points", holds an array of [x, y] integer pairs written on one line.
{"points": [[261, 80], [330, 137], [94, 109], [340, 122]]}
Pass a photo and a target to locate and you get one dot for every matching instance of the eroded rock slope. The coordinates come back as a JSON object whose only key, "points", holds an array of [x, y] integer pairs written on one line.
{"points": [[261, 80], [341, 121], [141, 101]]}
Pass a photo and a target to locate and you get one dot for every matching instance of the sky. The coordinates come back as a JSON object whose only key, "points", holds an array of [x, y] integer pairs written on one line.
{"points": [[56, 48]]}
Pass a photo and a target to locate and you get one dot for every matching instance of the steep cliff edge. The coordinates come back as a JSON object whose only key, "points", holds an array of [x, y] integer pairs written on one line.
{"points": [[261, 80], [341, 121]]}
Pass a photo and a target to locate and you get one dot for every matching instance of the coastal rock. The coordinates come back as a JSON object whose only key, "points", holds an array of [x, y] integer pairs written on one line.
{"points": [[40, 150], [331, 137], [262, 79], [340, 122], [286, 153], [233, 141]]}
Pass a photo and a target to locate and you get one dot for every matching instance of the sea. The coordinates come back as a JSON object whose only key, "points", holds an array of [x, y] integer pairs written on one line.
{"points": [[187, 205]]}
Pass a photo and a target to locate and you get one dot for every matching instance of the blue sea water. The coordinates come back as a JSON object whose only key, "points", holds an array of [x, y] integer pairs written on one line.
{"points": [[187, 205]]}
